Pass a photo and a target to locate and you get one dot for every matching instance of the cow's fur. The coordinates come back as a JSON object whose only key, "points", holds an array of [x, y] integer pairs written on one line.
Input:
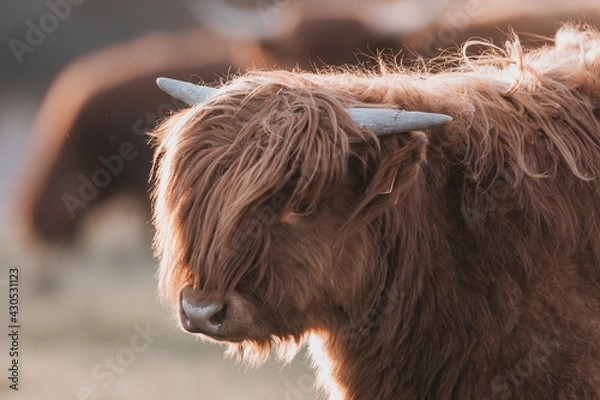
{"points": [[462, 262]]}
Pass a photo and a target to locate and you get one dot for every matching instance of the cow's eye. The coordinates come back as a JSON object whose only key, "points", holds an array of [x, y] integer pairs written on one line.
{"points": [[301, 207]]}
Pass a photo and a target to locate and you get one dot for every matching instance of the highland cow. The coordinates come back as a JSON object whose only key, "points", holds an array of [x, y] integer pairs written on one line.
{"points": [[451, 260]]}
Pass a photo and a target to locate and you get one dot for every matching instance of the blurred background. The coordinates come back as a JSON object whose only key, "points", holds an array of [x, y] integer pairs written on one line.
{"points": [[77, 96]]}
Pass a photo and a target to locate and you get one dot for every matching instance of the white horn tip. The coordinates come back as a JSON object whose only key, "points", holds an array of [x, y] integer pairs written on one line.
{"points": [[166, 84], [187, 92]]}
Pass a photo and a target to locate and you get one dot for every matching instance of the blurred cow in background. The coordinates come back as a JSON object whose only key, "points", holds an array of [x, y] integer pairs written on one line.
{"points": [[89, 145], [88, 139]]}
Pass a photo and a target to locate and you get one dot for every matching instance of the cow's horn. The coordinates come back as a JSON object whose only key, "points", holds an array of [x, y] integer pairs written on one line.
{"points": [[379, 121], [187, 92], [386, 121]]}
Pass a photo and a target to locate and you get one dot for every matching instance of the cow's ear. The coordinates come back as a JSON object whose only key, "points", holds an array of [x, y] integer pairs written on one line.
{"points": [[396, 167]]}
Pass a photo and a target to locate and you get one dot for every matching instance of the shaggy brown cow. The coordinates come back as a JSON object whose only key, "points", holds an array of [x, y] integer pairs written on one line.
{"points": [[460, 261]]}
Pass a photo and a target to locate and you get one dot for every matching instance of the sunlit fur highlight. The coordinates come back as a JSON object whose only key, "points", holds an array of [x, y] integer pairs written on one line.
{"points": [[486, 229]]}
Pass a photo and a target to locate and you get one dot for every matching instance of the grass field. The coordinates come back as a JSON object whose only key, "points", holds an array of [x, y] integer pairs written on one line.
{"points": [[92, 328]]}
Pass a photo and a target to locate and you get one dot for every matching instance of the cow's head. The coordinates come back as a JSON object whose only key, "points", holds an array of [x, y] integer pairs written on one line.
{"points": [[260, 188]]}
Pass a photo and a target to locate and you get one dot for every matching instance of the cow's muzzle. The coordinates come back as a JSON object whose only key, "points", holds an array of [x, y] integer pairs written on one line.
{"points": [[201, 315]]}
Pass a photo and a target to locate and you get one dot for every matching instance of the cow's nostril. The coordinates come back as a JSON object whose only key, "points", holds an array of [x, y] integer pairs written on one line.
{"points": [[202, 317], [218, 317]]}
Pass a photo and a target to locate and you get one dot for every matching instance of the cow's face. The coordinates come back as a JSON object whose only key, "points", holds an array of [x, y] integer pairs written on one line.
{"points": [[290, 268], [253, 204]]}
